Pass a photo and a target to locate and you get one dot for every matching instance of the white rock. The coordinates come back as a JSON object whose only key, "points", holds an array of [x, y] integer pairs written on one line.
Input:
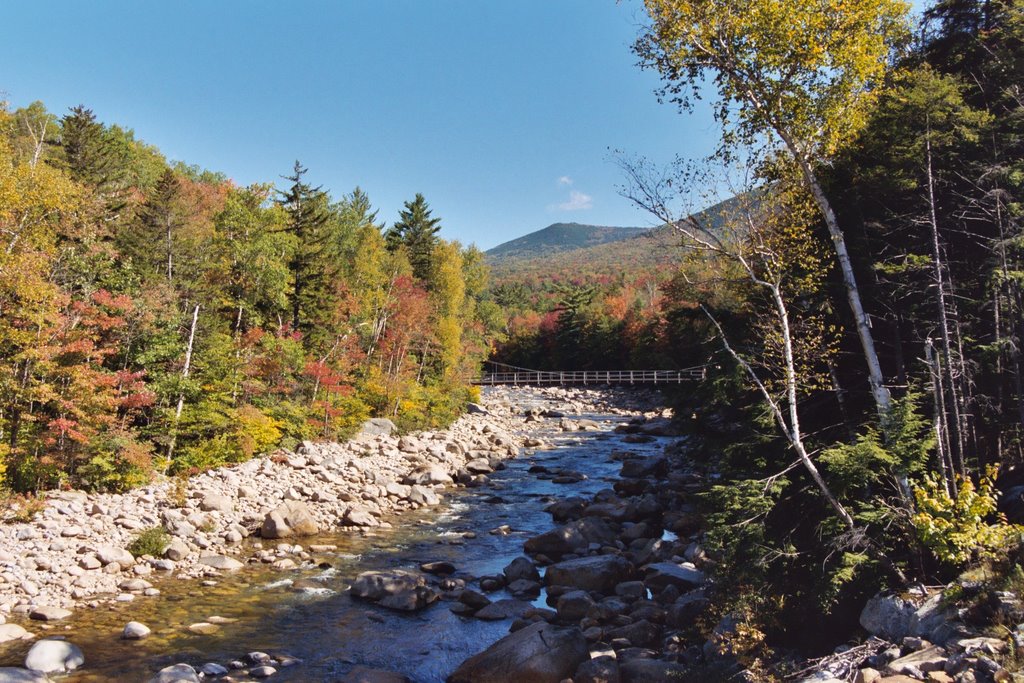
{"points": [[54, 656], [135, 630]]}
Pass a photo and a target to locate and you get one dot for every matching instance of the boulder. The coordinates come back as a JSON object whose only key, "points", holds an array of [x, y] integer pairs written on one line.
{"points": [[176, 673], [375, 585], [220, 562], [109, 554], [49, 613], [539, 653], [929, 659], [571, 538], [887, 616], [10, 632], [215, 502], [430, 474], [135, 630], [176, 550], [595, 573], [378, 426], [356, 516], [411, 600], [574, 605], [521, 568], [290, 518], [421, 495], [54, 656]]}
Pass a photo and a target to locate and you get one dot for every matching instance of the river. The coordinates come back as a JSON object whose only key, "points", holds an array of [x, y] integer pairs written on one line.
{"points": [[307, 614]]}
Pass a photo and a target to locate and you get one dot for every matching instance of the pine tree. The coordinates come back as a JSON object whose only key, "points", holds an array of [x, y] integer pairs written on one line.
{"points": [[307, 214], [87, 155], [417, 231]]}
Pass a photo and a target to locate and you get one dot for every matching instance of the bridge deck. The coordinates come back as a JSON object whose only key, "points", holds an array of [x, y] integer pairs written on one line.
{"points": [[592, 377]]}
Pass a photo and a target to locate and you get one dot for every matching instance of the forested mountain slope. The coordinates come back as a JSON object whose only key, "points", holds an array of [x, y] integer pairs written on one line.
{"points": [[559, 237]]}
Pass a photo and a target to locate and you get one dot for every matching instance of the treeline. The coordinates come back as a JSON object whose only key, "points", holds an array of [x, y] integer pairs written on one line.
{"points": [[154, 317]]}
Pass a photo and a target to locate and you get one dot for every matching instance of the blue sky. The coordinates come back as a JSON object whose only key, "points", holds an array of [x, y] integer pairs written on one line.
{"points": [[501, 113]]}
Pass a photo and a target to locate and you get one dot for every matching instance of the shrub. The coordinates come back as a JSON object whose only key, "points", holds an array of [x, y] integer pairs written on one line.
{"points": [[151, 541], [957, 530]]}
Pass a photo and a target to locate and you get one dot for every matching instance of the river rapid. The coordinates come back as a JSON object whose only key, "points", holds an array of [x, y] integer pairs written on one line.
{"points": [[305, 618]]}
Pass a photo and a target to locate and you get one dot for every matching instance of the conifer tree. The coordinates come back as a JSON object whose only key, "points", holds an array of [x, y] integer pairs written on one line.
{"points": [[417, 230], [307, 213], [87, 155]]}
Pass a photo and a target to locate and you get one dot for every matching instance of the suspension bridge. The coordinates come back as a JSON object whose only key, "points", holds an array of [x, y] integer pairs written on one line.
{"points": [[500, 373]]}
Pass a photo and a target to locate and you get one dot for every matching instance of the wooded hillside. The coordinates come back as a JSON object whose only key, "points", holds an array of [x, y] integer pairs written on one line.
{"points": [[155, 317]]}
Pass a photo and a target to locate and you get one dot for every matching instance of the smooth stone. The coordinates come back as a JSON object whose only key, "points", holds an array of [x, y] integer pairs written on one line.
{"points": [[204, 628], [213, 669], [49, 613], [176, 673], [262, 671], [110, 554], [13, 632], [135, 630], [54, 656], [220, 562]]}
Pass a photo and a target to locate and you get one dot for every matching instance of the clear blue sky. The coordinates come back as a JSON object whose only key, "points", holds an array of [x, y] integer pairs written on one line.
{"points": [[501, 113]]}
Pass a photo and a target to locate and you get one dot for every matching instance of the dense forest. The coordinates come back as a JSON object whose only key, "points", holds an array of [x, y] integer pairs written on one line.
{"points": [[860, 305], [157, 318]]}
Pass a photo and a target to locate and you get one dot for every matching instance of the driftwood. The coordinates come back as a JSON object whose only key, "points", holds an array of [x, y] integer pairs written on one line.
{"points": [[841, 665]]}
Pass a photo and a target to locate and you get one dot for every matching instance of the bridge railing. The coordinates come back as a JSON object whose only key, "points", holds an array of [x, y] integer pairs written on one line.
{"points": [[592, 376]]}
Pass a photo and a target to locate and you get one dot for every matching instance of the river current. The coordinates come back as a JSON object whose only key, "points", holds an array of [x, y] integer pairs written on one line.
{"points": [[307, 614]]}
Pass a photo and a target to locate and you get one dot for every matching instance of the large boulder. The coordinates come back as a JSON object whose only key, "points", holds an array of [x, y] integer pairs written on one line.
{"points": [[108, 554], [887, 616], [376, 585], [429, 474], [54, 656], [290, 518], [595, 573], [573, 537], [521, 568], [539, 653], [378, 426]]}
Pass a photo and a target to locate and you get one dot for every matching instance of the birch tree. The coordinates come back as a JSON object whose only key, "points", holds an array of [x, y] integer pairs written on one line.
{"points": [[803, 75]]}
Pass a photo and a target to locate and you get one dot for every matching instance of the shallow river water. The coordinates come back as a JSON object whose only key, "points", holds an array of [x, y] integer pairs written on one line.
{"points": [[326, 629]]}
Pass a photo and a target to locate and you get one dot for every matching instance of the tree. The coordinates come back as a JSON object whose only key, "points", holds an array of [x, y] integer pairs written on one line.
{"points": [[417, 230], [306, 207], [803, 74], [88, 156]]}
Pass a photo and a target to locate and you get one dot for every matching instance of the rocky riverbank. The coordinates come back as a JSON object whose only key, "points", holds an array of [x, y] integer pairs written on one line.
{"points": [[74, 553]]}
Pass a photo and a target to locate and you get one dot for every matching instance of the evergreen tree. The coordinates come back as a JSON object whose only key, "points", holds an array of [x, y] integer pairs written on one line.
{"points": [[307, 214], [417, 231], [87, 154]]}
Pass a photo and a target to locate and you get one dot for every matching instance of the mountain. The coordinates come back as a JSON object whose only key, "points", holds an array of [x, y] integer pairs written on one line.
{"points": [[560, 237], [643, 252]]}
